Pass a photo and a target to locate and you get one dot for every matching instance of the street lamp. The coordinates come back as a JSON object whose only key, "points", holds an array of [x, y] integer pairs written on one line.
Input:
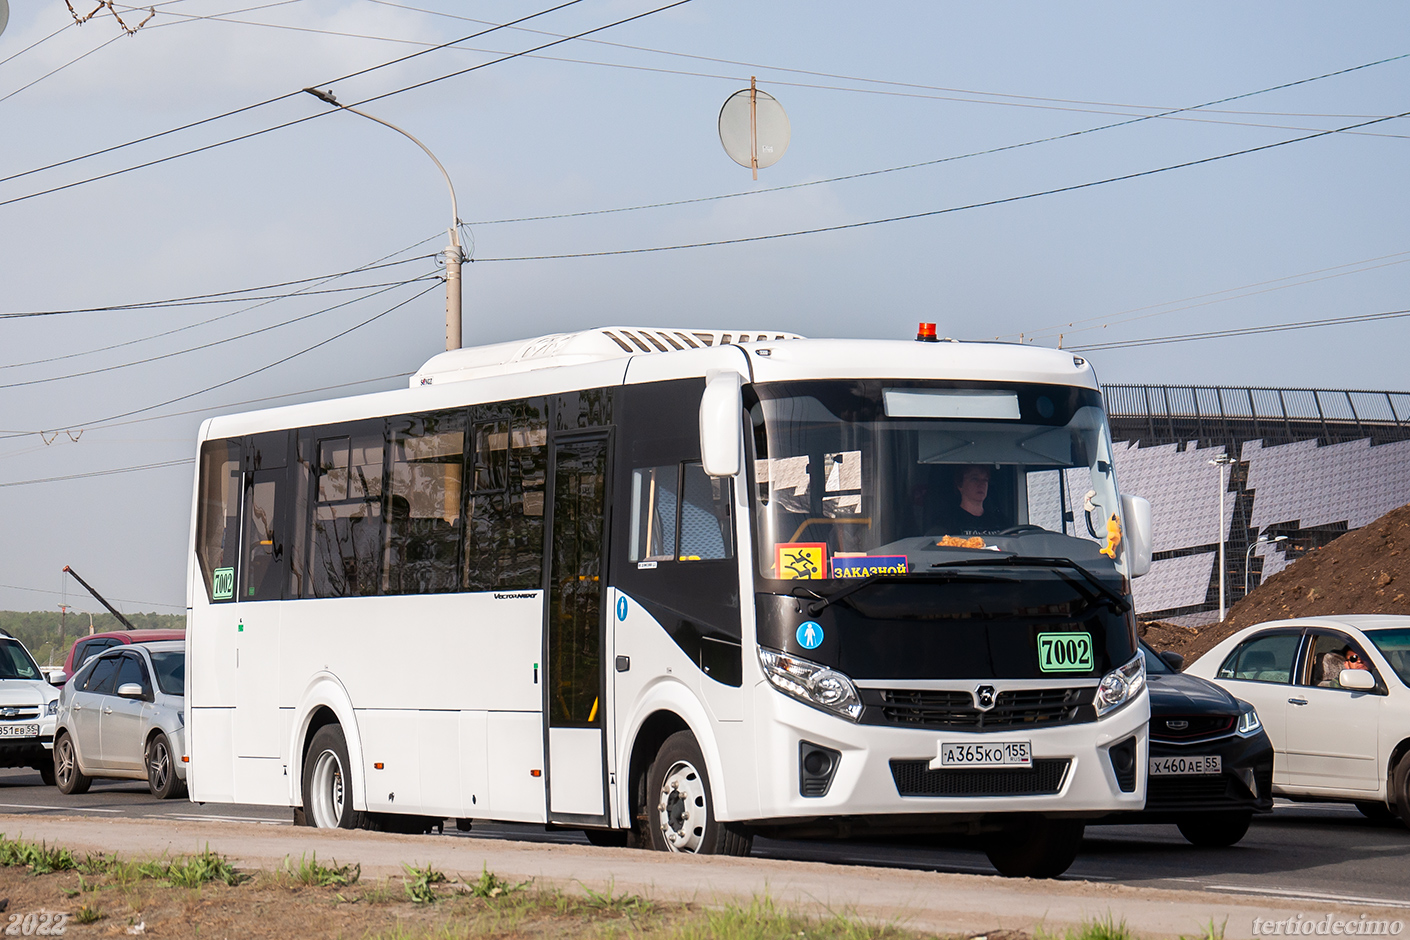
{"points": [[1248, 555], [1222, 462], [453, 254]]}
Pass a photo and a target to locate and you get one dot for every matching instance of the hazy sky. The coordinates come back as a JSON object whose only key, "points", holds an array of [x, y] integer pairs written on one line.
{"points": [[1311, 230]]}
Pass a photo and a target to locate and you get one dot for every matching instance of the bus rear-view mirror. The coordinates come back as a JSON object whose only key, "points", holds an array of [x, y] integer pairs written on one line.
{"points": [[1140, 541], [720, 408]]}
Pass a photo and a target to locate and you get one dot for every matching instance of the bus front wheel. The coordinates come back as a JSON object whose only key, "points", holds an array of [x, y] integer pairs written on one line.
{"points": [[1038, 848], [327, 783], [680, 809]]}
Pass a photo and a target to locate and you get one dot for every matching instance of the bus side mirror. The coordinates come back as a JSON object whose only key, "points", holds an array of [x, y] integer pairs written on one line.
{"points": [[720, 408], [1139, 541]]}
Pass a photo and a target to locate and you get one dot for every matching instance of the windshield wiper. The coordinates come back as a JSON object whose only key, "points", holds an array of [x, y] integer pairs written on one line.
{"points": [[822, 601], [1029, 561]]}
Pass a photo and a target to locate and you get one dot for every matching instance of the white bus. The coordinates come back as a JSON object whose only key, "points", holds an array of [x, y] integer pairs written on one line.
{"points": [[675, 588]]}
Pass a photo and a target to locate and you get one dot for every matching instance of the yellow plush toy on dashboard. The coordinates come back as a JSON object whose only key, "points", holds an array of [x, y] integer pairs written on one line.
{"points": [[1113, 537]]}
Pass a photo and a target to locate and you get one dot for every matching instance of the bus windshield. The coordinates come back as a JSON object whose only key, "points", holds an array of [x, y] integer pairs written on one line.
{"points": [[856, 478]]}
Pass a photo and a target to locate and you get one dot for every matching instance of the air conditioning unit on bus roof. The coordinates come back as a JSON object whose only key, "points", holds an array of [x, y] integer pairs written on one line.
{"points": [[563, 349]]}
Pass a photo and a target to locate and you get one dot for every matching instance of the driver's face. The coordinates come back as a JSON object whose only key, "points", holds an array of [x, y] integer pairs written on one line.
{"points": [[974, 484]]}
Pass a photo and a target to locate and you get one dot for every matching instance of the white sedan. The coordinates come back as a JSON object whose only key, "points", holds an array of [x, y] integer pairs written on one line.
{"points": [[1334, 696]]}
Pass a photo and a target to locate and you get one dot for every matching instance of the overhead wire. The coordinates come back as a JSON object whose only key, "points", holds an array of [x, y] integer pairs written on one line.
{"points": [[945, 211], [210, 388], [120, 600], [215, 296], [76, 59], [217, 342], [1242, 331], [251, 107], [103, 473], [950, 159], [214, 319]]}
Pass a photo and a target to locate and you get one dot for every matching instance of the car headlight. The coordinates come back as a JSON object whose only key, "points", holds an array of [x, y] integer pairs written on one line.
{"points": [[1121, 685], [812, 683], [52, 708], [1249, 725]]}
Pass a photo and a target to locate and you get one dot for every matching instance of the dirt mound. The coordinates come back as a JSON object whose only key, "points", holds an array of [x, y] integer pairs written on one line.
{"points": [[1363, 572]]}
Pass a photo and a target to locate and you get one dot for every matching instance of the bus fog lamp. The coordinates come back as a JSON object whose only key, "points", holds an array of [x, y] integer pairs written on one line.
{"points": [[812, 683], [1121, 685]]}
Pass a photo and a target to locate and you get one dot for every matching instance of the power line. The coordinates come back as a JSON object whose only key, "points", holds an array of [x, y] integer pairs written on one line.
{"points": [[209, 320], [934, 212], [210, 388], [318, 114], [950, 159], [1243, 331], [225, 339], [103, 473], [194, 299], [261, 104], [120, 600]]}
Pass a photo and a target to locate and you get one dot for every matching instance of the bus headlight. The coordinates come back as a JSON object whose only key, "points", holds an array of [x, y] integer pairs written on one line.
{"points": [[1121, 685], [811, 683], [1249, 725]]}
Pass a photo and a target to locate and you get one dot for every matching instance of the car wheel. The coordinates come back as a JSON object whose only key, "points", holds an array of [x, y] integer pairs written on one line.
{"points": [[680, 808], [1215, 830], [161, 769], [1377, 812], [327, 783], [69, 777], [1043, 848], [1400, 788]]}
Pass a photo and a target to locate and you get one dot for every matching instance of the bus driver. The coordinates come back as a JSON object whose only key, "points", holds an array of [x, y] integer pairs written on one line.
{"points": [[969, 516]]}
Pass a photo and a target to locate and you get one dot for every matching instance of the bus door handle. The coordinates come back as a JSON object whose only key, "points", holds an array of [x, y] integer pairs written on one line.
{"points": [[1297, 701]]}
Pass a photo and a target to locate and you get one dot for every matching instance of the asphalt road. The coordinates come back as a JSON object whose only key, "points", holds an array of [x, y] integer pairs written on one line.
{"points": [[1311, 850]]}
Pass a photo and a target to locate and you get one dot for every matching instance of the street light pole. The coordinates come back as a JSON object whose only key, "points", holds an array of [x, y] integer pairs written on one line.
{"points": [[1248, 555], [1222, 462], [453, 254]]}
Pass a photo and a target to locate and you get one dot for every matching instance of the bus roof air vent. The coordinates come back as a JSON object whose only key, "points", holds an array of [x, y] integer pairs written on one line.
{"points": [[562, 349]]}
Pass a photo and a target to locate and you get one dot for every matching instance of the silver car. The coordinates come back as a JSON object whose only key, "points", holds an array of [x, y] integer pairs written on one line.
{"points": [[124, 715]]}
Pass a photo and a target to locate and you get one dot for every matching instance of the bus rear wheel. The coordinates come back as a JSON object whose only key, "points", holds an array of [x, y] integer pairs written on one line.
{"points": [[1038, 848], [680, 809], [327, 783]]}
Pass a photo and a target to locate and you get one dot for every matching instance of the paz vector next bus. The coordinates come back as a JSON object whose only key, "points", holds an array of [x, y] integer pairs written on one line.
{"points": [[675, 588]]}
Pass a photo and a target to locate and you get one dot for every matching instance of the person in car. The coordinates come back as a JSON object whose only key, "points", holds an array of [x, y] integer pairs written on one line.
{"points": [[1335, 661]]}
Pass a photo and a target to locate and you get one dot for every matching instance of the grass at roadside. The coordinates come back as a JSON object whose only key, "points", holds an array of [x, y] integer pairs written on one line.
{"points": [[204, 895]]}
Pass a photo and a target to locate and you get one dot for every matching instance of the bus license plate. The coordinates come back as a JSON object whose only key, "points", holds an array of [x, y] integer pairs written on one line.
{"points": [[988, 754], [1174, 766], [19, 731]]}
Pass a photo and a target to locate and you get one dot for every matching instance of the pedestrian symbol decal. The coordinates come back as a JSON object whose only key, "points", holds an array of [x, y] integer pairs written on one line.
{"points": [[621, 608], [810, 634]]}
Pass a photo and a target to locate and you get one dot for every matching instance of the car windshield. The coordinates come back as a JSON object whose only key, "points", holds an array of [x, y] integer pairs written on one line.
{"points": [[1395, 647], [890, 477], [15, 661], [171, 671]]}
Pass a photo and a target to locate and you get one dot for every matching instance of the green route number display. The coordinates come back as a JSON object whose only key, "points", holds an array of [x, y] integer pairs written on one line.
{"points": [[1065, 652], [223, 587]]}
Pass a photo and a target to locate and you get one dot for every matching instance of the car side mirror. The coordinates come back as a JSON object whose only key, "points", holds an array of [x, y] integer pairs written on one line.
{"points": [[58, 678], [1140, 541], [130, 690], [1358, 680], [1173, 659], [720, 409]]}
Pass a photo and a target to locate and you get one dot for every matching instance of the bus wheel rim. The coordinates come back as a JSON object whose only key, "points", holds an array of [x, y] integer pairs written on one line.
{"points": [[682, 810], [327, 792]]}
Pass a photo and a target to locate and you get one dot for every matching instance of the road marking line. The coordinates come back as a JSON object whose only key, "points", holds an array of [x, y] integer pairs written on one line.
{"points": [[70, 809], [253, 819], [1309, 895]]}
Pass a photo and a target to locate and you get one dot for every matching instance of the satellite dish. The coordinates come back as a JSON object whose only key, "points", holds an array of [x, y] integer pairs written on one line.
{"points": [[4, 14], [753, 128]]}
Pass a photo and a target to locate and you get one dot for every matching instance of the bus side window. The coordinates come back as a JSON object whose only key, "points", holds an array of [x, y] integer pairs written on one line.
{"points": [[505, 507], [706, 532], [346, 537], [423, 520], [218, 517], [654, 514]]}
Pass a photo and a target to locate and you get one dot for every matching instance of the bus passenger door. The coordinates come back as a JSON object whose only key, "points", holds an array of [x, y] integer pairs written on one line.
{"points": [[575, 690]]}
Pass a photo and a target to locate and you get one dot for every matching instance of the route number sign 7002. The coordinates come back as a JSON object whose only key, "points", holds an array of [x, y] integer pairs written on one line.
{"points": [[1065, 652]]}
